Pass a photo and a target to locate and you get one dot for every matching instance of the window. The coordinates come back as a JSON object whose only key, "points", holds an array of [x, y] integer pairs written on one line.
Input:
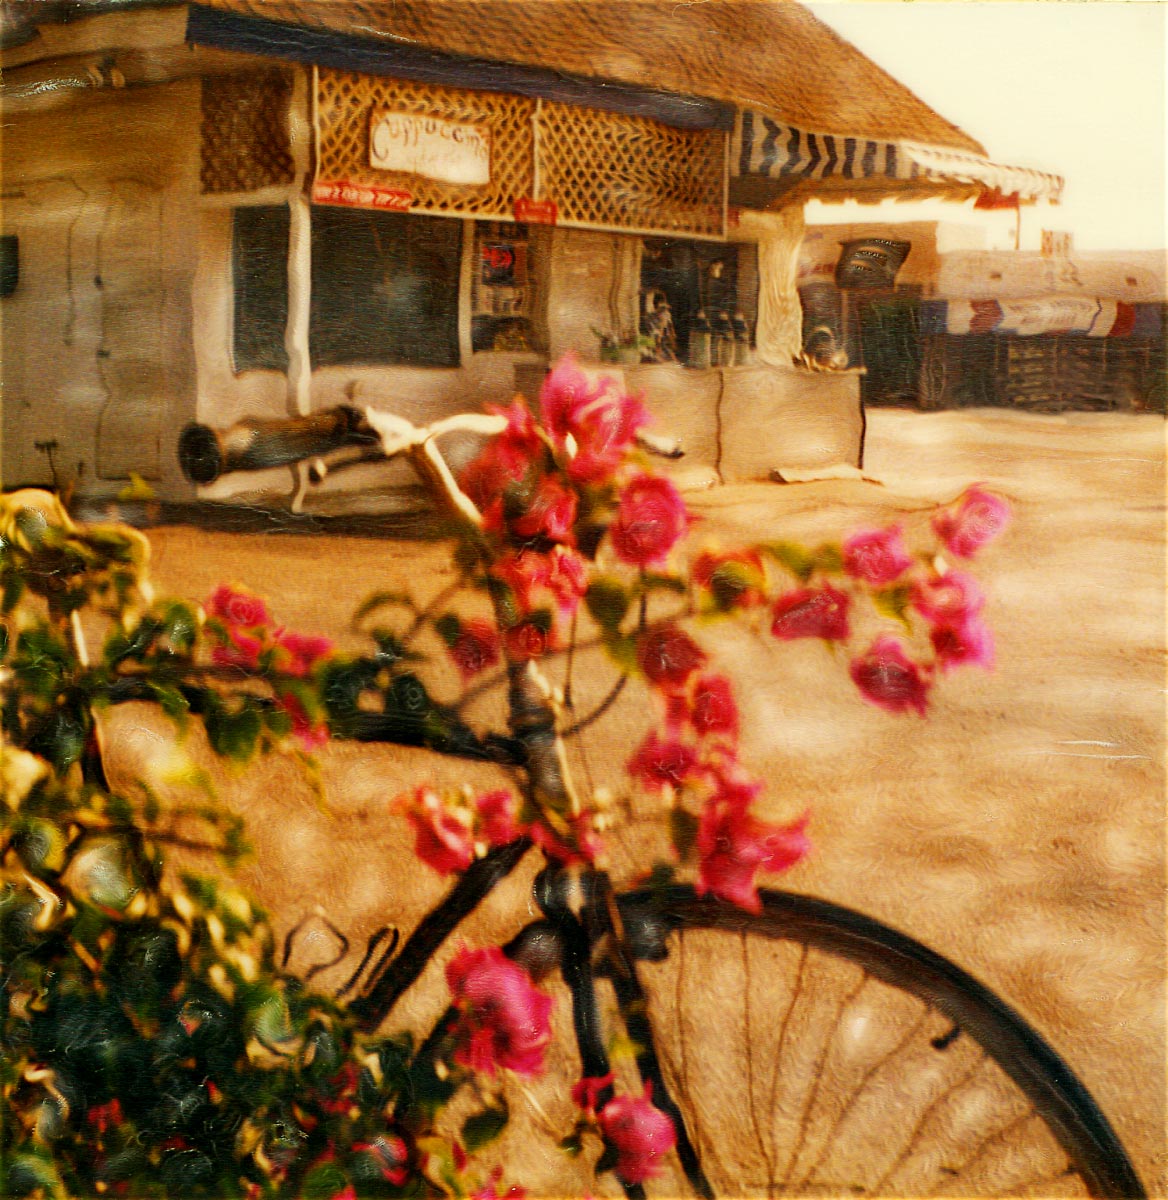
{"points": [[259, 264], [700, 276], [384, 288], [503, 287]]}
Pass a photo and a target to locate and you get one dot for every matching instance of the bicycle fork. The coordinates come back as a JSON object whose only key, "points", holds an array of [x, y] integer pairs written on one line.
{"points": [[581, 910]]}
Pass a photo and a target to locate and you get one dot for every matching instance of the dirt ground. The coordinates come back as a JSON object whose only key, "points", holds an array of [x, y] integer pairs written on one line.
{"points": [[1019, 829]]}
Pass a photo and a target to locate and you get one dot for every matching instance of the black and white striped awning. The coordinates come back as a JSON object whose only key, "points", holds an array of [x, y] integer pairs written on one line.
{"points": [[769, 149]]}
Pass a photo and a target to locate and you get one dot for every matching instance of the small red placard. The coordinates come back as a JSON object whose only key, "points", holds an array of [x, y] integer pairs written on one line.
{"points": [[535, 212], [360, 195]]}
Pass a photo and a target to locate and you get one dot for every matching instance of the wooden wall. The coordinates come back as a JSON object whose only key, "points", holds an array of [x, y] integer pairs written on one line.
{"points": [[97, 336]]}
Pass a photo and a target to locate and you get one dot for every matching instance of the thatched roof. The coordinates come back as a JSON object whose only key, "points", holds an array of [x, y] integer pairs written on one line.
{"points": [[771, 55]]}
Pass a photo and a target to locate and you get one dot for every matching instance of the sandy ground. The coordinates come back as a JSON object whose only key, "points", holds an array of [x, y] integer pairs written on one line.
{"points": [[1019, 829]]}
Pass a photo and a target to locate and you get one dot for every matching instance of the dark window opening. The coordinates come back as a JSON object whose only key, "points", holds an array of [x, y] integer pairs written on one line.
{"points": [[717, 280], [259, 264], [9, 263], [384, 288], [503, 288]]}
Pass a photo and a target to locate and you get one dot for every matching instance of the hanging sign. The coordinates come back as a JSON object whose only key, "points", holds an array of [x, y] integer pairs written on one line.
{"points": [[535, 212], [449, 151], [360, 195]]}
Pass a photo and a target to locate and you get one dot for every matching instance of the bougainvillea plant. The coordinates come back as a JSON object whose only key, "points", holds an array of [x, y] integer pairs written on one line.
{"points": [[152, 1045]]}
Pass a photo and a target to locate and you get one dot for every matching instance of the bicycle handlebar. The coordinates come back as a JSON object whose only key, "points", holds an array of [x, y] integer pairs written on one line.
{"points": [[206, 453]]}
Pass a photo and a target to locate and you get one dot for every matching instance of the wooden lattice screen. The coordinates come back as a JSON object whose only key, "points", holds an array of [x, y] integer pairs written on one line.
{"points": [[605, 170], [345, 101], [245, 132]]}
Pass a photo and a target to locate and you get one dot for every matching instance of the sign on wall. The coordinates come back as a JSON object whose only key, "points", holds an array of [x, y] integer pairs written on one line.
{"points": [[449, 151]]}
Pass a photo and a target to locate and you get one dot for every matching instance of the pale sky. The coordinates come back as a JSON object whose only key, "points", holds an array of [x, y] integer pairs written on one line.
{"points": [[1071, 86]]}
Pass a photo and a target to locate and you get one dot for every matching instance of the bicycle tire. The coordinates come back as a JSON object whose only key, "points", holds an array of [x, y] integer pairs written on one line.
{"points": [[987, 1052]]}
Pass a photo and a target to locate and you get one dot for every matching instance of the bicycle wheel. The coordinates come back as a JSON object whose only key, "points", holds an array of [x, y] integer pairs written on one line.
{"points": [[813, 1051]]}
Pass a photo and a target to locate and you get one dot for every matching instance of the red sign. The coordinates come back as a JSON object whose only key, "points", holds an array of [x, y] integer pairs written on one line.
{"points": [[360, 195], [535, 212]]}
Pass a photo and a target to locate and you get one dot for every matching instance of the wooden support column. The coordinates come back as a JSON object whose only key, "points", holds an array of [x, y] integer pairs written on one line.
{"points": [[779, 332], [300, 135]]}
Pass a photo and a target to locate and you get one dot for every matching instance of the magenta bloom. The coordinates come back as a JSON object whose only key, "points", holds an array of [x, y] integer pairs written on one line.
{"points": [[658, 763], [669, 656], [241, 650], [640, 1134], [887, 678], [566, 579], [975, 520], [963, 643], [734, 845], [811, 612], [876, 556], [498, 814], [650, 519], [601, 421], [713, 710], [442, 841], [476, 648], [734, 578], [302, 651], [505, 460], [235, 606], [551, 513], [948, 598], [503, 1017], [586, 1092]]}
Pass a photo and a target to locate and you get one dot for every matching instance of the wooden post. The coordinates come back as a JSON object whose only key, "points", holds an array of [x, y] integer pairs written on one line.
{"points": [[300, 134], [779, 332]]}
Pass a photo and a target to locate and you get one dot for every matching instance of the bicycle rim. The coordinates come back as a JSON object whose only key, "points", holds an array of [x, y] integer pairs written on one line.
{"points": [[814, 1051]]}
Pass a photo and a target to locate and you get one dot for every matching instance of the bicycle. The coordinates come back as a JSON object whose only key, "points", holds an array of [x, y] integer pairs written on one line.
{"points": [[874, 1065]]}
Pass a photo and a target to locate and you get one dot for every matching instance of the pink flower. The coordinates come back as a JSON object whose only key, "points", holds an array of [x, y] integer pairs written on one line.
{"points": [[475, 648], [669, 656], [348, 1192], [235, 606], [888, 678], [302, 651], [948, 598], [581, 846], [498, 814], [963, 643], [713, 710], [586, 1092], [503, 1017], [506, 459], [106, 1116], [311, 735], [651, 517], [526, 641], [734, 845], [640, 1134], [523, 573], [876, 556], [442, 840], [567, 579], [734, 578], [242, 650], [811, 612], [601, 421], [975, 520], [550, 514], [658, 763], [489, 1189], [391, 1156]]}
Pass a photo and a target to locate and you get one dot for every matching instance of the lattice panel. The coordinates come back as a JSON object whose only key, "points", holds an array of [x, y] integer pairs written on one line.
{"points": [[245, 131], [614, 171], [345, 101]]}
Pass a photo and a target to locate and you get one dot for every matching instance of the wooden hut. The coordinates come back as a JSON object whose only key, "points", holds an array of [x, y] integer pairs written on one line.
{"points": [[263, 207]]}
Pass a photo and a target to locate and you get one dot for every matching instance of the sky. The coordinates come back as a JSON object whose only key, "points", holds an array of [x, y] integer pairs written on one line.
{"points": [[1076, 87]]}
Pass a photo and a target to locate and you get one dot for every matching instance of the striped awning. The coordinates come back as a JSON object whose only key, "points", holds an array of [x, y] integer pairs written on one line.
{"points": [[766, 148]]}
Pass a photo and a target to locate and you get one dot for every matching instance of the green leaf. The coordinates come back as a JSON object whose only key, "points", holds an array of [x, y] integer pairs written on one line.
{"points": [[894, 601], [683, 828], [448, 628], [234, 734], [608, 602], [573, 1144], [382, 600], [651, 581], [797, 559], [829, 558], [483, 1127], [171, 701], [180, 626]]}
